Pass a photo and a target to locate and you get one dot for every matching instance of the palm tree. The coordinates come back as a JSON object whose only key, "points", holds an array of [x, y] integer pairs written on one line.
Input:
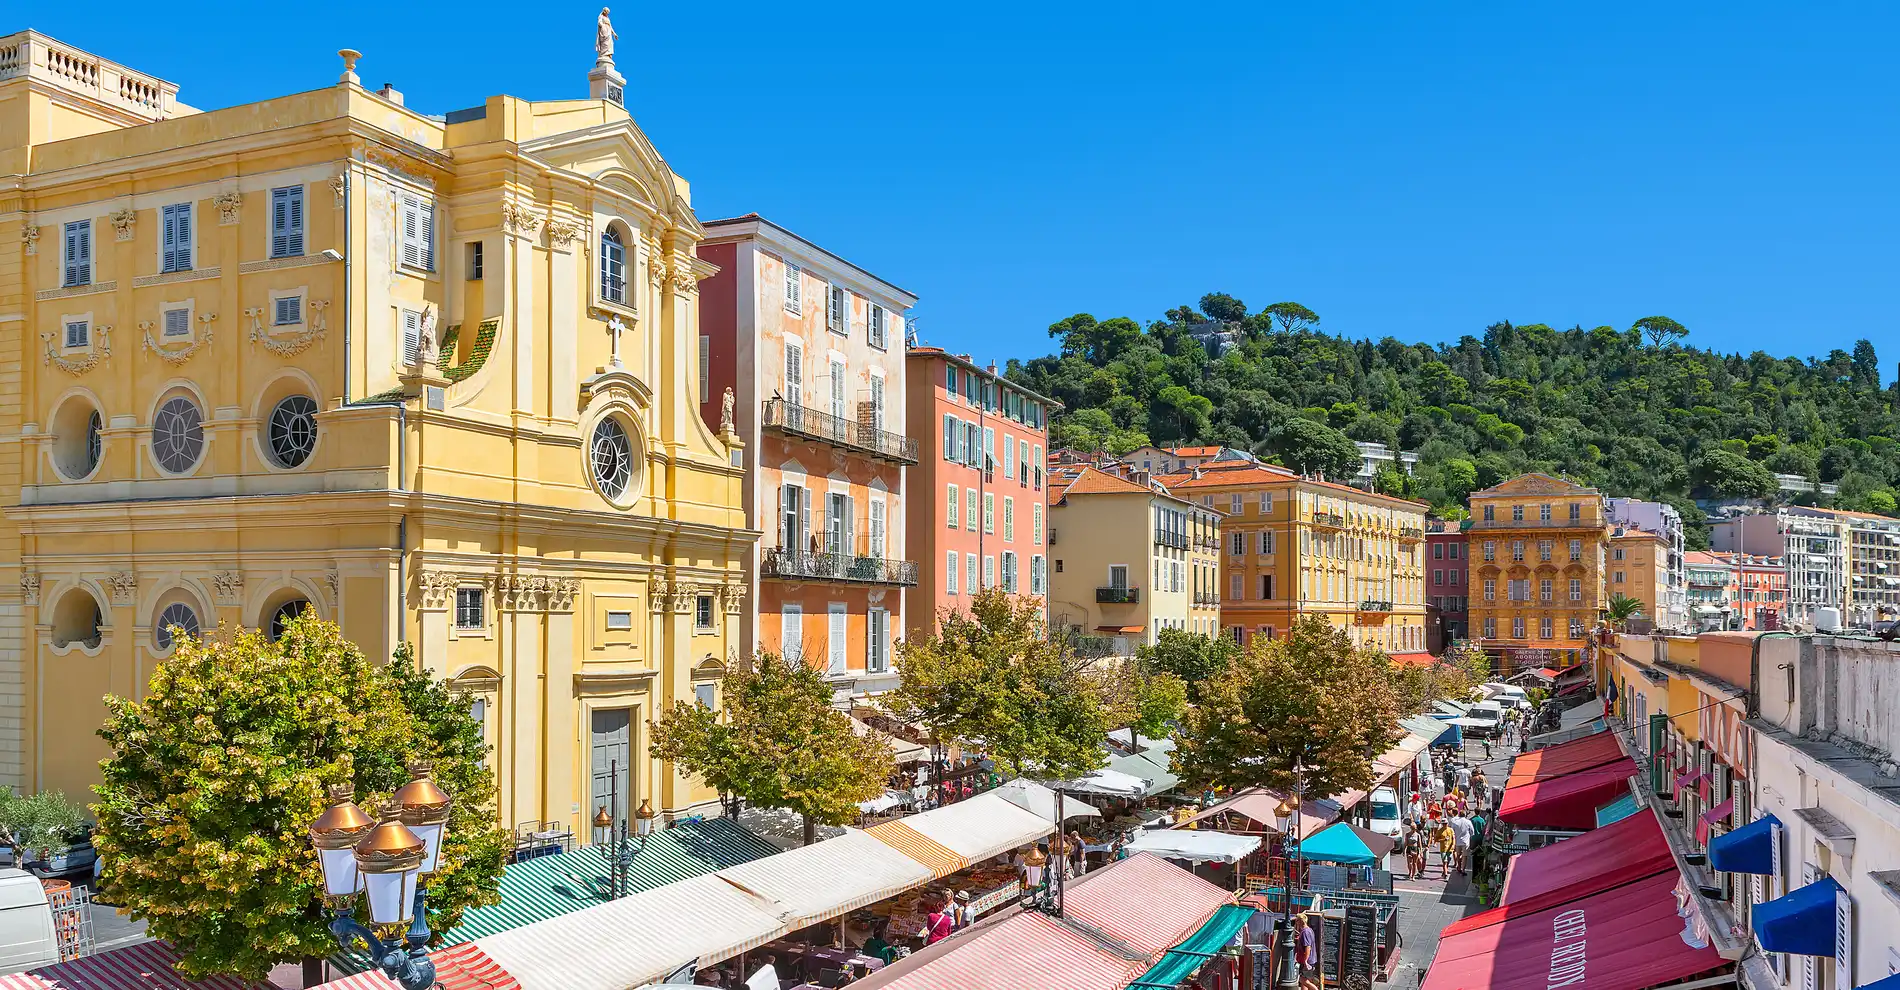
{"points": [[1621, 609]]}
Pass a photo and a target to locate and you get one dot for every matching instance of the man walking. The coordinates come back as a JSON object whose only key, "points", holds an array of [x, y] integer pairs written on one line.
{"points": [[1461, 840]]}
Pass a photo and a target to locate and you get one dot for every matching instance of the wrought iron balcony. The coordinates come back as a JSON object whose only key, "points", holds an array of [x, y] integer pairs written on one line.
{"points": [[1117, 596], [806, 565], [1164, 538], [1411, 534], [804, 421], [1584, 523], [1329, 520], [1372, 605]]}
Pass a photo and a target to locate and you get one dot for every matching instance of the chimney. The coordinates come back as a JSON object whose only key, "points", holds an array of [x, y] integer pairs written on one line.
{"points": [[391, 93]]}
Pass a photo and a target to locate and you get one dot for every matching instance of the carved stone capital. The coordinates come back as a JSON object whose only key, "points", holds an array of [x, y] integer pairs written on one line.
{"points": [[125, 587], [518, 219], [340, 189], [656, 270], [227, 204], [122, 221], [30, 587], [438, 589], [732, 596], [228, 587], [562, 591], [30, 235], [684, 279], [562, 232]]}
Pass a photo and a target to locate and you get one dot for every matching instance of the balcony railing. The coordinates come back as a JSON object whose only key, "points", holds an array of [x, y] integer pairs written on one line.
{"points": [[1411, 534], [1585, 523], [1206, 601], [804, 421], [1329, 520], [1163, 538], [1372, 605], [1117, 596], [805, 565]]}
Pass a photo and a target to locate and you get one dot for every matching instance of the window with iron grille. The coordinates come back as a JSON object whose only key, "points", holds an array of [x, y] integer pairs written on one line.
{"points": [[470, 612]]}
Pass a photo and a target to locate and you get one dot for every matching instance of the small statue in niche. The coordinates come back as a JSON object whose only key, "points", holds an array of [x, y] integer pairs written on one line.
{"points": [[726, 404]]}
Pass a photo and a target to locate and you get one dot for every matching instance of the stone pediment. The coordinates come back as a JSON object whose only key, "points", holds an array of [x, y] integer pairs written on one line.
{"points": [[616, 383], [1535, 484]]}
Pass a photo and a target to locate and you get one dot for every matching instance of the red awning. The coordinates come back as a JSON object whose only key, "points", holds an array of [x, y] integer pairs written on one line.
{"points": [[1547, 673], [1628, 936], [140, 966], [1712, 817], [1413, 659], [1593, 750], [1570, 801], [1119, 630], [1571, 688], [1624, 850], [1026, 950], [1577, 670], [1173, 902], [458, 967]]}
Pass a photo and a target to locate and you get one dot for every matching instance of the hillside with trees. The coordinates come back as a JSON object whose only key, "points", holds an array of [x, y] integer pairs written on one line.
{"points": [[1634, 412]]}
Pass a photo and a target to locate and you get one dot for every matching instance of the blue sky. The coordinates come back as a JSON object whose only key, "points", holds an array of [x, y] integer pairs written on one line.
{"points": [[1413, 170]]}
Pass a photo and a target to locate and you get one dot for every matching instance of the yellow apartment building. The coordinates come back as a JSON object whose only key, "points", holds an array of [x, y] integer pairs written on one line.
{"points": [[1639, 568], [1128, 560], [432, 377], [1537, 546], [1294, 546]]}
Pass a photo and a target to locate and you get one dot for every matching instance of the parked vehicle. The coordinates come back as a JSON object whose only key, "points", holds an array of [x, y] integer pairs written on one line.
{"points": [[1508, 695], [1485, 719], [28, 937], [1384, 813]]}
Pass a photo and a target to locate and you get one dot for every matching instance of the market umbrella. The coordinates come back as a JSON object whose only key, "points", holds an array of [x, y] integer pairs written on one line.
{"points": [[1344, 842]]}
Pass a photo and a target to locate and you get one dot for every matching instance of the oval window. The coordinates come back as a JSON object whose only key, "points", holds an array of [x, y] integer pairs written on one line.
{"points": [[178, 435], [293, 430]]}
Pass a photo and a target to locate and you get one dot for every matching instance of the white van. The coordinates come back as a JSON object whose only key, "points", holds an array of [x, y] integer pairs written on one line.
{"points": [[27, 938], [1508, 695], [1383, 813], [1485, 718]]}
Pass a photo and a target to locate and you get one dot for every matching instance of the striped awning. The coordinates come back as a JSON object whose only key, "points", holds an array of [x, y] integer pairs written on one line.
{"points": [[144, 966], [551, 886], [1027, 950], [636, 940], [1144, 902], [981, 827], [830, 878], [459, 967], [918, 846]]}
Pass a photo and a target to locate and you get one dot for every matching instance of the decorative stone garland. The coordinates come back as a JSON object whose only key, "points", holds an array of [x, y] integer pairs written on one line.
{"points": [[101, 350]]}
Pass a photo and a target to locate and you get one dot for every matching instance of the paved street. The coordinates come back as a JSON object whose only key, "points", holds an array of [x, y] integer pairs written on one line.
{"points": [[1429, 902]]}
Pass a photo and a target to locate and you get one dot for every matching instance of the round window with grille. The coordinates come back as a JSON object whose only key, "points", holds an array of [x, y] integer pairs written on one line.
{"points": [[293, 430], [613, 459], [178, 435], [178, 619]]}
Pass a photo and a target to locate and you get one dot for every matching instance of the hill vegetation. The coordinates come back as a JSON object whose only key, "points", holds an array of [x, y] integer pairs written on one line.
{"points": [[1634, 412]]}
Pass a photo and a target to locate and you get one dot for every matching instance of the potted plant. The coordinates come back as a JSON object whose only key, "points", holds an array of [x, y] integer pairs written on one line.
{"points": [[48, 829]]}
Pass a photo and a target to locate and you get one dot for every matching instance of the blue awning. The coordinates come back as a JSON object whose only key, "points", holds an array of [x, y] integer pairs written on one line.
{"points": [[1886, 983], [1617, 810], [1749, 849], [1801, 922]]}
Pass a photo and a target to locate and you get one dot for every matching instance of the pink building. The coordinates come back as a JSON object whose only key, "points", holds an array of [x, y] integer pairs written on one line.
{"points": [[982, 513], [812, 348]]}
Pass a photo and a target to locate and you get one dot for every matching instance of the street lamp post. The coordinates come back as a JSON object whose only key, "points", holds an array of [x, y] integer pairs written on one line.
{"points": [[386, 862], [620, 857], [1289, 973]]}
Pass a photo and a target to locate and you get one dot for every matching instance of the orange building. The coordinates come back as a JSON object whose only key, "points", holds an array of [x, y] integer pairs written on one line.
{"points": [[1537, 546], [810, 349]]}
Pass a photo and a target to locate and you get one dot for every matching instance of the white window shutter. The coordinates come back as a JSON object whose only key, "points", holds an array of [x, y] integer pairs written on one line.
{"points": [[877, 529], [411, 227], [411, 336], [804, 512], [428, 236]]}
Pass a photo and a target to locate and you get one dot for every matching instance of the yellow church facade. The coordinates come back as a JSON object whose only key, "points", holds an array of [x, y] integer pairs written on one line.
{"points": [[432, 377]]}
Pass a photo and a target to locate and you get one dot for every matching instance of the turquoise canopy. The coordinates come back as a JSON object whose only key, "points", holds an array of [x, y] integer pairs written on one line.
{"points": [[1186, 959], [1344, 842]]}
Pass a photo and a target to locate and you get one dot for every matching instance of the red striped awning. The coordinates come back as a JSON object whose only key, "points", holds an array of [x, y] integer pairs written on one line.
{"points": [[1027, 950], [1413, 659], [1173, 903], [144, 966], [458, 967]]}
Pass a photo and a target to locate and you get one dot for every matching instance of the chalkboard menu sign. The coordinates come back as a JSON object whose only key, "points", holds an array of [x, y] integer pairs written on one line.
{"points": [[1330, 923], [1263, 968], [1358, 947]]}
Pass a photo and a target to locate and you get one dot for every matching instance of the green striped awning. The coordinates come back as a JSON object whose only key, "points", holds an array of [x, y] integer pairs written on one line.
{"points": [[550, 886]]}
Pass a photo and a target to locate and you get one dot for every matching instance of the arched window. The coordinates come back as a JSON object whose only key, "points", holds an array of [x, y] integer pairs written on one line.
{"points": [[177, 619], [284, 614], [613, 266]]}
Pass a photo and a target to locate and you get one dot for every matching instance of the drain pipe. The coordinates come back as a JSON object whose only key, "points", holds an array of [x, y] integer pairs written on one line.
{"points": [[348, 286]]}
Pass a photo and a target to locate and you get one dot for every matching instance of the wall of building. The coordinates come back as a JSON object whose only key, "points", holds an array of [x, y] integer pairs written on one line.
{"points": [[465, 481], [1513, 526]]}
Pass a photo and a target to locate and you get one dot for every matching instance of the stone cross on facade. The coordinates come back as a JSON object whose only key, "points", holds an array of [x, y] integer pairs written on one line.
{"points": [[616, 327]]}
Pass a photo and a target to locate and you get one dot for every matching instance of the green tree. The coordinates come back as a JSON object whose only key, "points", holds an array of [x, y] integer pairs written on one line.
{"points": [[992, 680], [1190, 657], [776, 741], [1311, 448], [1310, 701], [1620, 609], [1223, 307], [216, 775], [1729, 475], [1291, 316], [1660, 330]]}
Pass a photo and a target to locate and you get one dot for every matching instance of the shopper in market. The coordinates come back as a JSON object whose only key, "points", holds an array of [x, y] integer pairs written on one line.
{"points": [[1308, 955], [1461, 838]]}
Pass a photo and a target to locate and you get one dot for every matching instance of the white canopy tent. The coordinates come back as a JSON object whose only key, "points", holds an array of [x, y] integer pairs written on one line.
{"points": [[830, 878], [1041, 801], [1195, 845], [1113, 783]]}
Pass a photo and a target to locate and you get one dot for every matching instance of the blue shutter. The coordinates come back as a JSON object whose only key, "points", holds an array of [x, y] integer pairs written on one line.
{"points": [[79, 252], [286, 222]]}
